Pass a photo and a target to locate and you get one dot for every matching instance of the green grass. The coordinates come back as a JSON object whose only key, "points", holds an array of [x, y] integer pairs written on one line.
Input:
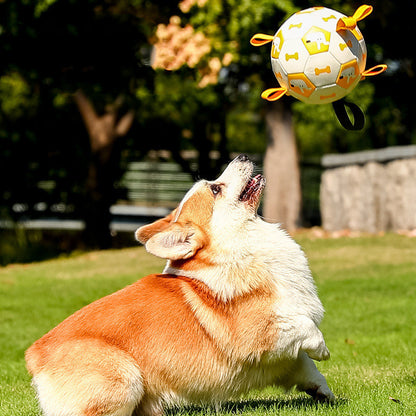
{"points": [[367, 284]]}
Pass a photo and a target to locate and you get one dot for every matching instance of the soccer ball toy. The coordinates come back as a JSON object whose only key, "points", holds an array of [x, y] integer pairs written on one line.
{"points": [[318, 55]]}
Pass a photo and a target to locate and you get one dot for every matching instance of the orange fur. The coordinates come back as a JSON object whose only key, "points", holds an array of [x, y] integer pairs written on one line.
{"points": [[148, 231], [161, 308]]}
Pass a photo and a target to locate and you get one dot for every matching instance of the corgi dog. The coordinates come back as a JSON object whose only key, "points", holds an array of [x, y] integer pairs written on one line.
{"points": [[235, 308]]}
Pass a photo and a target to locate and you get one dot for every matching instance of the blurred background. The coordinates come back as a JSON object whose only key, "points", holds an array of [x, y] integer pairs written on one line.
{"points": [[111, 109]]}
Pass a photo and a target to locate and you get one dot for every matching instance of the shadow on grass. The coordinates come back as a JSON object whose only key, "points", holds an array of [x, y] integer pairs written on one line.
{"points": [[253, 406]]}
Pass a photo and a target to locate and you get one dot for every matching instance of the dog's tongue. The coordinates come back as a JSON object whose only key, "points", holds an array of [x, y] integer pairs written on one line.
{"points": [[251, 188]]}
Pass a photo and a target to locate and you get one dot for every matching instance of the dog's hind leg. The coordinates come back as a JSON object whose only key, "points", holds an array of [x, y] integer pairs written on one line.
{"points": [[88, 377]]}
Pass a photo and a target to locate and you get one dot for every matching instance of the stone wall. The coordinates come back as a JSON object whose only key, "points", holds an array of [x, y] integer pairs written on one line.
{"points": [[370, 191]]}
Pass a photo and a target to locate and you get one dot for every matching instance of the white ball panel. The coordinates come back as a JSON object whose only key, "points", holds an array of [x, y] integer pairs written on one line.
{"points": [[345, 47], [294, 27], [293, 56], [280, 73], [322, 69], [363, 61]]}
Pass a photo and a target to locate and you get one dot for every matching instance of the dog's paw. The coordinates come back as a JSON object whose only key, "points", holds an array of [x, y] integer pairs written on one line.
{"points": [[321, 394], [316, 348], [319, 354]]}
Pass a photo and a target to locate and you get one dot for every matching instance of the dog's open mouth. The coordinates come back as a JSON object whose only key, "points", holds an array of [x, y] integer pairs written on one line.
{"points": [[251, 193]]}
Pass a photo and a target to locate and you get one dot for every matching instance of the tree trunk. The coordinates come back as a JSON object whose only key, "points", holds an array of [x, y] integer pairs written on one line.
{"points": [[282, 200], [103, 132]]}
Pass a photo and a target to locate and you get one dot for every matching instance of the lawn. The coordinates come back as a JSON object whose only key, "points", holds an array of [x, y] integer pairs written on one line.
{"points": [[367, 285]]}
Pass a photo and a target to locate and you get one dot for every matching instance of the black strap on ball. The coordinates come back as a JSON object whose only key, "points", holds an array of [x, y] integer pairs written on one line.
{"points": [[358, 119]]}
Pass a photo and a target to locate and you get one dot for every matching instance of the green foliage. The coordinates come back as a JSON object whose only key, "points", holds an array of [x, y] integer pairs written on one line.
{"points": [[245, 126], [235, 20], [234, 101], [230, 24], [319, 132], [16, 97], [42, 5], [366, 284], [177, 98], [20, 245], [245, 132], [50, 48]]}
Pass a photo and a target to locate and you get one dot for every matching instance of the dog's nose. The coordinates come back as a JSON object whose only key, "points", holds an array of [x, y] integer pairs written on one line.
{"points": [[242, 158]]}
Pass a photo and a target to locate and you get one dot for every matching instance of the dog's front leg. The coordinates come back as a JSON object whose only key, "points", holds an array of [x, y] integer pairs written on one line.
{"points": [[313, 343], [307, 378], [301, 334]]}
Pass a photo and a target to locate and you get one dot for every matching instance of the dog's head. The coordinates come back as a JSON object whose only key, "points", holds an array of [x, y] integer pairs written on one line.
{"points": [[211, 215]]}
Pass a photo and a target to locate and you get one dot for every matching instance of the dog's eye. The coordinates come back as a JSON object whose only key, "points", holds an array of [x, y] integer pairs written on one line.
{"points": [[215, 188]]}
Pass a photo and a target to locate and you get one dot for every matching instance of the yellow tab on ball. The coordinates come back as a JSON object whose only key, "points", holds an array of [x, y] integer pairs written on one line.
{"points": [[375, 70], [273, 94], [260, 39], [349, 23]]}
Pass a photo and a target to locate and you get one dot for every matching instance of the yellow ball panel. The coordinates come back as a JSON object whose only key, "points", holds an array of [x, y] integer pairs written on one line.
{"points": [[327, 94], [316, 40], [300, 86], [349, 75]]}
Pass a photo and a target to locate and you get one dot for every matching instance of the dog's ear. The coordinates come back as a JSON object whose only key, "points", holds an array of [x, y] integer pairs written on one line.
{"points": [[177, 242], [147, 231]]}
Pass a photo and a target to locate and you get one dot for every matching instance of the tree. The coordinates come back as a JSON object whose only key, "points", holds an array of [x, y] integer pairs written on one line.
{"points": [[202, 103], [52, 48], [89, 53], [229, 26], [281, 168], [226, 59], [103, 132]]}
